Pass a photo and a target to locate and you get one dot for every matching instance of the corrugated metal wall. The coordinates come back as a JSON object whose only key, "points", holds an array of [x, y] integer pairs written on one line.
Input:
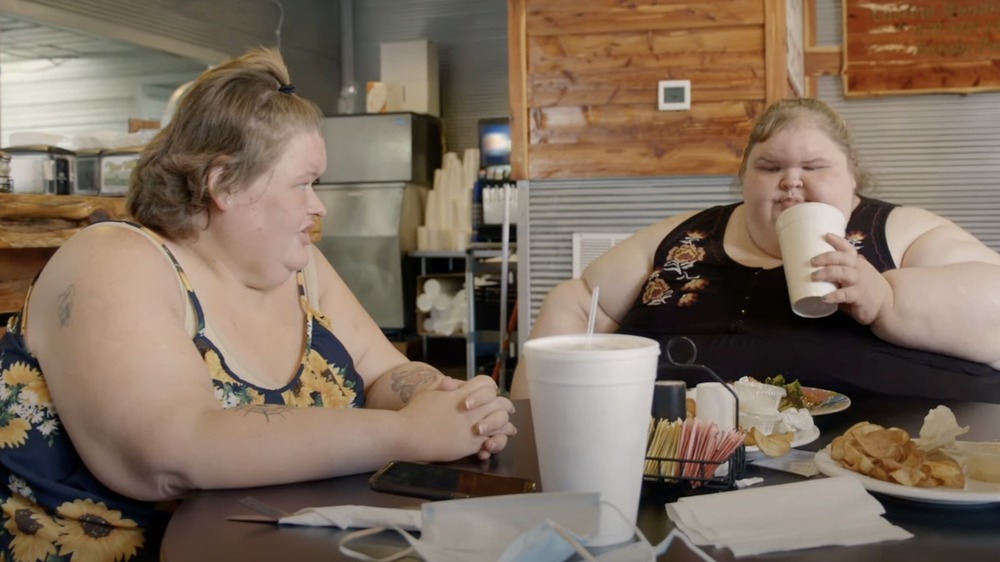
{"points": [[86, 95], [557, 209], [937, 151], [219, 26], [940, 152], [471, 39], [212, 31]]}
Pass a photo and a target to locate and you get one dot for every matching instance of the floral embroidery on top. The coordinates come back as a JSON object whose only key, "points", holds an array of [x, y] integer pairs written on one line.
{"points": [[856, 239], [680, 260], [695, 285], [682, 257], [657, 291]]}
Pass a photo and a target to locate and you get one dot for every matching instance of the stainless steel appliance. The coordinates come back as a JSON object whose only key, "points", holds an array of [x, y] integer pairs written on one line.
{"points": [[42, 169], [88, 172], [379, 168], [6, 186]]}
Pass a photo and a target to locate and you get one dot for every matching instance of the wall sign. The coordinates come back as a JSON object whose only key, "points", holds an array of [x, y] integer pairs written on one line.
{"points": [[921, 46]]}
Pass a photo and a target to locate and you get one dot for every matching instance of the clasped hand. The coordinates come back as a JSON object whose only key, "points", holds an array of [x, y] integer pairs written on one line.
{"points": [[861, 291], [462, 417]]}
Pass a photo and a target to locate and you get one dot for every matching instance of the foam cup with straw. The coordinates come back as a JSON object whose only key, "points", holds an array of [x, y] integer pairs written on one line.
{"points": [[591, 396]]}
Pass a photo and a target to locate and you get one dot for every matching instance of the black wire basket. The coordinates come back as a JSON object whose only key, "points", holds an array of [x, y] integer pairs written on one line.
{"points": [[695, 473]]}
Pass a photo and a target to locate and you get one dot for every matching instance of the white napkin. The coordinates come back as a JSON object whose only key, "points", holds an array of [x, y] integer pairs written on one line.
{"points": [[795, 461], [355, 516], [827, 511]]}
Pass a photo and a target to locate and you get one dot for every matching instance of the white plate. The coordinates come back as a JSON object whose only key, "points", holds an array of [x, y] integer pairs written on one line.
{"points": [[835, 402], [803, 437], [975, 492]]}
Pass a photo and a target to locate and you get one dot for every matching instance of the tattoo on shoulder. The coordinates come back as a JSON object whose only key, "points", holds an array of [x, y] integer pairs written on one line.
{"points": [[64, 305], [407, 378], [266, 410]]}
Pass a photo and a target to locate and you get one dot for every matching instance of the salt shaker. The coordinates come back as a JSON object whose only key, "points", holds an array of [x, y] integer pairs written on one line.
{"points": [[716, 403]]}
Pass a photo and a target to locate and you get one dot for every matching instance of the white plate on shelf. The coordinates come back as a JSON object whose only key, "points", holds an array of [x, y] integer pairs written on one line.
{"points": [[803, 437], [974, 493]]}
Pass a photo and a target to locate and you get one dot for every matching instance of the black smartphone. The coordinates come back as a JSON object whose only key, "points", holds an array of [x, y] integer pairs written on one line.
{"points": [[439, 482]]}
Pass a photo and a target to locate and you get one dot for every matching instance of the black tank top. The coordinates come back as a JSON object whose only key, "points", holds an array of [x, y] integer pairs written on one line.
{"points": [[741, 322]]}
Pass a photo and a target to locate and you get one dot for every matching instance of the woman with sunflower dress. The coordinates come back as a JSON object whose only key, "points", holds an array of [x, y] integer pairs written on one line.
{"points": [[207, 344]]}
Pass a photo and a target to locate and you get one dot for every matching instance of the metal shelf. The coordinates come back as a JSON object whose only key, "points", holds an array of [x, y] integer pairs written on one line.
{"points": [[474, 264]]}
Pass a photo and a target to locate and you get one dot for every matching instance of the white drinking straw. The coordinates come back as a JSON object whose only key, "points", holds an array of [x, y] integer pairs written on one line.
{"points": [[592, 316]]}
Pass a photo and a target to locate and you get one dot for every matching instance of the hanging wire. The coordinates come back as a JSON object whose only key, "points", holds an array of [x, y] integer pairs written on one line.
{"points": [[281, 21]]}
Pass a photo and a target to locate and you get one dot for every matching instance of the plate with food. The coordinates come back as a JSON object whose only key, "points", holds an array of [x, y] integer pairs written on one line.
{"points": [[797, 439], [817, 401], [820, 402], [974, 492], [934, 467]]}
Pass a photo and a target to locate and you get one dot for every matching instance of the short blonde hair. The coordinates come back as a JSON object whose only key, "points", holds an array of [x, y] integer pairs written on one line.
{"points": [[233, 118], [785, 112]]}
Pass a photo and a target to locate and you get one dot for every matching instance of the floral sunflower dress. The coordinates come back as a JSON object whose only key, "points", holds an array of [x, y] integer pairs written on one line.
{"points": [[52, 509]]}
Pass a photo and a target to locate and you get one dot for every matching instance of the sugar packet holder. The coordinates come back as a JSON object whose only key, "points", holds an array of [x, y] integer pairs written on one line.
{"points": [[692, 471]]}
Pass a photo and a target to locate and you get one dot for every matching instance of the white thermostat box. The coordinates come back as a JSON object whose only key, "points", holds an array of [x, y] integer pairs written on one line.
{"points": [[674, 95]]}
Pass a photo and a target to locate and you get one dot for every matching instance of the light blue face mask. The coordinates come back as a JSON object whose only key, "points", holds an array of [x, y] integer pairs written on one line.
{"points": [[541, 527]]}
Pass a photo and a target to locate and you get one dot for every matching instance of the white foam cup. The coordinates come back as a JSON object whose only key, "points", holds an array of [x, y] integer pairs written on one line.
{"points": [[800, 234], [590, 407]]}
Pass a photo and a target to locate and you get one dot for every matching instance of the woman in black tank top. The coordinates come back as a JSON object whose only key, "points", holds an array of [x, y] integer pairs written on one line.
{"points": [[918, 297]]}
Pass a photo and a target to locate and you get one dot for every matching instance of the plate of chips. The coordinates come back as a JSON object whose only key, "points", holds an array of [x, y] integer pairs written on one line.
{"points": [[973, 493]]}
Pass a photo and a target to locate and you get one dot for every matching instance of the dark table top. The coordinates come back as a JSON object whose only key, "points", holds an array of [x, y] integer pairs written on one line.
{"points": [[199, 530]]}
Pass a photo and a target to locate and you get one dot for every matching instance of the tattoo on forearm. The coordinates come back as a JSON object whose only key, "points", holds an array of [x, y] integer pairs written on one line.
{"points": [[266, 410], [64, 305], [406, 379]]}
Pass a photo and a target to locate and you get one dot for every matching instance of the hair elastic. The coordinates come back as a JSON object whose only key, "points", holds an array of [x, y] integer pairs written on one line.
{"points": [[287, 89]]}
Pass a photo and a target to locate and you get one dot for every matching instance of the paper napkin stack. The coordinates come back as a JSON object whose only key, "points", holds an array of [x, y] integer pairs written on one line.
{"points": [[823, 512]]}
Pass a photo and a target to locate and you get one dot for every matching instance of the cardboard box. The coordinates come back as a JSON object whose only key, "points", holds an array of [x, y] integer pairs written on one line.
{"points": [[414, 66], [384, 97]]}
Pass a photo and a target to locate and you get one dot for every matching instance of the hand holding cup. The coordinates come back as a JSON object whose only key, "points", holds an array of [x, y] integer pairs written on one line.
{"points": [[802, 231]]}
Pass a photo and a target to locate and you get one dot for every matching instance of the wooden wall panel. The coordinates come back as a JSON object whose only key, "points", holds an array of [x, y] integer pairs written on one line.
{"points": [[714, 122], [32, 227], [585, 75], [558, 17], [17, 269], [517, 72]]}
